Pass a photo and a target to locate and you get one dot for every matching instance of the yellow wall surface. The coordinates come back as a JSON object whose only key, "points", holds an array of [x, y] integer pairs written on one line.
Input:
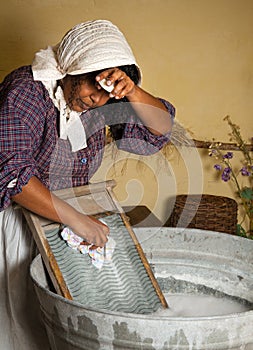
{"points": [[198, 54]]}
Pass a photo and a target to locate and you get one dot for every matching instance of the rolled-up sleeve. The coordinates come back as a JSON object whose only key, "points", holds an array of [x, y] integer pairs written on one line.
{"points": [[136, 137]]}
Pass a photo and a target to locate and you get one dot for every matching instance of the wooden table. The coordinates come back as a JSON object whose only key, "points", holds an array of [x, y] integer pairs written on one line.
{"points": [[141, 216]]}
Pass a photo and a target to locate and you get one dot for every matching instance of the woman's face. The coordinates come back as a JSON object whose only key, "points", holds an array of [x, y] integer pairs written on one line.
{"points": [[84, 96]]}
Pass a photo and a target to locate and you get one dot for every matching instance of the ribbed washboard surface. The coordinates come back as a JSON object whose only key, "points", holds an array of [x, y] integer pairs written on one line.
{"points": [[121, 285]]}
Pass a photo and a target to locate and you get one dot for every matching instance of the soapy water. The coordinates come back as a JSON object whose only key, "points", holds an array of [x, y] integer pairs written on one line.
{"points": [[188, 305]]}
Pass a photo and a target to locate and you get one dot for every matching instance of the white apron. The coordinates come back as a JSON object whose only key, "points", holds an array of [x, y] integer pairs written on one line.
{"points": [[20, 325]]}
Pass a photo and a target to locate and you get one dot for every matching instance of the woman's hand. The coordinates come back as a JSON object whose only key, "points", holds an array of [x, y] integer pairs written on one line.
{"points": [[123, 85], [92, 230], [151, 111]]}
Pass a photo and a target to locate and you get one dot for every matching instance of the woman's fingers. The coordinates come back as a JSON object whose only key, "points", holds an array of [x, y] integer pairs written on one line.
{"points": [[92, 230], [123, 85], [98, 233]]}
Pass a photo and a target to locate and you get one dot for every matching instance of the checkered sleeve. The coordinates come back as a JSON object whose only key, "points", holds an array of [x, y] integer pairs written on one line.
{"points": [[136, 138], [16, 163]]}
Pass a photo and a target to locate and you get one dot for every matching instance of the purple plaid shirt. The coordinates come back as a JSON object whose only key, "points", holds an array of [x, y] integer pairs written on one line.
{"points": [[30, 143]]}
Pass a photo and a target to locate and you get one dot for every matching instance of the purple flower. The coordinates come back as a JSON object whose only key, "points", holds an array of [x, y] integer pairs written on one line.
{"points": [[217, 167], [244, 171], [228, 155], [226, 174]]}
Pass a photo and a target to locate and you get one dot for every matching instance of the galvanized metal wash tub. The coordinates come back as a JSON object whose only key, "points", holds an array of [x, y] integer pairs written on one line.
{"points": [[188, 261]]}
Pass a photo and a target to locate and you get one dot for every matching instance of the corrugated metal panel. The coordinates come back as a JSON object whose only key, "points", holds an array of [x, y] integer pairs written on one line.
{"points": [[121, 285]]}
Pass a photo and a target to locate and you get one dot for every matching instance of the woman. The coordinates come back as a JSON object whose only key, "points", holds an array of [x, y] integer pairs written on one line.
{"points": [[52, 135]]}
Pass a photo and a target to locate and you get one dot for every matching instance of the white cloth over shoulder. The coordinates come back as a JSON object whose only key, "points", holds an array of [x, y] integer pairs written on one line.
{"points": [[87, 47], [21, 325], [71, 126]]}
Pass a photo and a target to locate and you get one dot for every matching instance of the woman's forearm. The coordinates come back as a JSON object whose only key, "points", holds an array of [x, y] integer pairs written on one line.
{"points": [[38, 199], [151, 111]]}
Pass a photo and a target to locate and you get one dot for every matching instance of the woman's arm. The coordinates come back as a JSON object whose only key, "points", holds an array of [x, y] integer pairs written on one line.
{"points": [[151, 111], [38, 199]]}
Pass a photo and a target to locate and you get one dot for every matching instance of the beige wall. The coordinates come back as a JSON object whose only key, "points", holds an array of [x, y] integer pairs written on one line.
{"points": [[196, 53]]}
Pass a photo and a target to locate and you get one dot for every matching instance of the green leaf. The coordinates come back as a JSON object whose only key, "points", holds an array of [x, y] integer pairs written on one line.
{"points": [[240, 231], [247, 193]]}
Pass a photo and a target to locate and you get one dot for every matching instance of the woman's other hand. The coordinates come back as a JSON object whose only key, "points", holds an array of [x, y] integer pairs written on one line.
{"points": [[151, 111], [123, 85]]}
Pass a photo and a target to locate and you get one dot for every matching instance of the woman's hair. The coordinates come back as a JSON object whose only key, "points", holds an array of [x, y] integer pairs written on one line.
{"points": [[130, 70], [116, 130]]}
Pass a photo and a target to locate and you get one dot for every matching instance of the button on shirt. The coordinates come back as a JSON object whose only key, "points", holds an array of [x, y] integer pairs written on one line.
{"points": [[30, 144]]}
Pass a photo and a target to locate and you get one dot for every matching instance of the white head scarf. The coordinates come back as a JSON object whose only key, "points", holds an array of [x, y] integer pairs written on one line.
{"points": [[87, 47]]}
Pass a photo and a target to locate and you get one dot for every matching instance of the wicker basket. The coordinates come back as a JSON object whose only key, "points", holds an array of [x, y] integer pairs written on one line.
{"points": [[207, 212]]}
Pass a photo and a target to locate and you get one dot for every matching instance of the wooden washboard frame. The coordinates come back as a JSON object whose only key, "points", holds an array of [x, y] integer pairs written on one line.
{"points": [[94, 199]]}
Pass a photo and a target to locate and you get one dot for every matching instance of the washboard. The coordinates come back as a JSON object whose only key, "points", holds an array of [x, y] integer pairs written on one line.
{"points": [[125, 284]]}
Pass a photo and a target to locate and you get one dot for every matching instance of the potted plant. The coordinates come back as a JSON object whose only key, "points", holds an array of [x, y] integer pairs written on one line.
{"points": [[238, 176]]}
